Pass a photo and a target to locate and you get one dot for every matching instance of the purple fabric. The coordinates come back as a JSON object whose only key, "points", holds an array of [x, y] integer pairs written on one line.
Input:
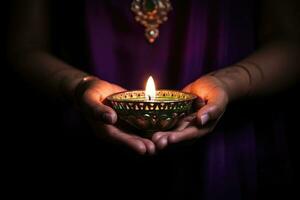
{"points": [[200, 36]]}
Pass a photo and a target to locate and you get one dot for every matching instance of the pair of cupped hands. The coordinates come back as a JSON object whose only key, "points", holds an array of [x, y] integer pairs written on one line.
{"points": [[211, 104]]}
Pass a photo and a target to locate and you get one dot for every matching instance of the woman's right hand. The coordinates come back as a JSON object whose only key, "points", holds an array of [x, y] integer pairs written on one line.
{"points": [[90, 95]]}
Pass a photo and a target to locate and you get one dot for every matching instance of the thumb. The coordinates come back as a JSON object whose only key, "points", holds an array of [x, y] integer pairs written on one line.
{"points": [[210, 112], [99, 111], [104, 113]]}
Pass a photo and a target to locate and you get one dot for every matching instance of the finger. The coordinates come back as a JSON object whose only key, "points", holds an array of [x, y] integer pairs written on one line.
{"points": [[187, 134], [182, 125], [214, 108], [198, 103], [161, 138], [187, 88], [94, 107], [209, 112], [156, 136], [149, 146], [118, 88], [185, 122], [162, 142], [107, 92], [131, 141]]}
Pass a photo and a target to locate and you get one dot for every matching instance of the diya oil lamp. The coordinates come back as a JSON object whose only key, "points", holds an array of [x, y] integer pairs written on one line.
{"points": [[152, 110]]}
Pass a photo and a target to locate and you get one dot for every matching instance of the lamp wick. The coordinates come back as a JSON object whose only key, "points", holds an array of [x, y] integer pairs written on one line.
{"points": [[149, 97]]}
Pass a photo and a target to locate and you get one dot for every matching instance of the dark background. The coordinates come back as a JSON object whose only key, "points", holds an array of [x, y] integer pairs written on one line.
{"points": [[33, 136]]}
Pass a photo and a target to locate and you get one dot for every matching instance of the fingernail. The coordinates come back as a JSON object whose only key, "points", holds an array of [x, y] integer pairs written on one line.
{"points": [[107, 118], [204, 119]]}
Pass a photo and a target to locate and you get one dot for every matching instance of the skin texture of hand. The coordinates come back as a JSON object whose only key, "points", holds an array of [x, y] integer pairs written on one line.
{"points": [[103, 119], [212, 102]]}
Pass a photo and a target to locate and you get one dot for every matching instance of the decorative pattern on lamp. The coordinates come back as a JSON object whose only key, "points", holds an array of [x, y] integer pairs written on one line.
{"points": [[152, 115]]}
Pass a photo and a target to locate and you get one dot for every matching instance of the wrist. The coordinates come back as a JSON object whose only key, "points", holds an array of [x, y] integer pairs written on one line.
{"points": [[235, 80], [81, 87], [70, 83]]}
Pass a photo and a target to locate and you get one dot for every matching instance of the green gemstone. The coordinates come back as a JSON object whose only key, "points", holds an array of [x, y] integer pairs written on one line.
{"points": [[150, 5]]}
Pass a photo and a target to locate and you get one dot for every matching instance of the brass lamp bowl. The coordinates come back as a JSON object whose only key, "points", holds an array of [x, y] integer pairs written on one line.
{"points": [[151, 115]]}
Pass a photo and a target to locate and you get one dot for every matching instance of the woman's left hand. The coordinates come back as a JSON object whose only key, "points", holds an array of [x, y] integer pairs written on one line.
{"points": [[211, 104]]}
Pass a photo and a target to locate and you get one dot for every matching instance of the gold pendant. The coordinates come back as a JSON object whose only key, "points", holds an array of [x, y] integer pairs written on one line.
{"points": [[151, 14]]}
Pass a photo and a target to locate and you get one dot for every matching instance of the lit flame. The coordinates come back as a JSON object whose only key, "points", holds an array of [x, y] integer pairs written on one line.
{"points": [[150, 92]]}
